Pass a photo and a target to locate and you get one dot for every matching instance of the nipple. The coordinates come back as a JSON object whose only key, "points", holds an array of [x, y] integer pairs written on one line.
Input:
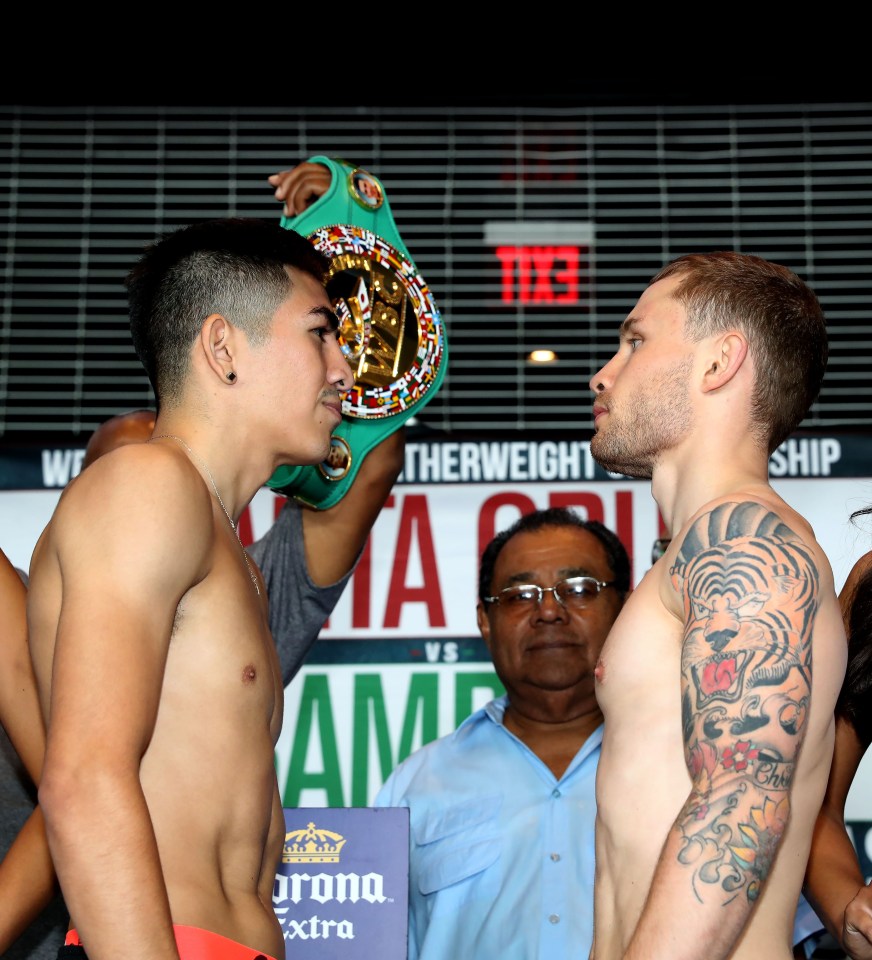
{"points": [[249, 674], [599, 672]]}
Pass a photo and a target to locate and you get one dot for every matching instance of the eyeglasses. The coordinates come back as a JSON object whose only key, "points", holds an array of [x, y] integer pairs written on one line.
{"points": [[573, 592]]}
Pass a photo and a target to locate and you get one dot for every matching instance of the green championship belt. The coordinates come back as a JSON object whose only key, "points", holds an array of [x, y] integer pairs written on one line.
{"points": [[390, 329]]}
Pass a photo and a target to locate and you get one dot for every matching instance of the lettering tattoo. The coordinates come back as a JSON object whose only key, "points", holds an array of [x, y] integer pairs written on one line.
{"points": [[750, 592]]}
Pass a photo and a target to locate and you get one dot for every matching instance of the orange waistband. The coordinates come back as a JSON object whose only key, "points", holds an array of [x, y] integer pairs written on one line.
{"points": [[197, 944]]}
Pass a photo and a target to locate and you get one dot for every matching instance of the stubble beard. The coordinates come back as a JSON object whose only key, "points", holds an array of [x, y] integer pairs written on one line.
{"points": [[659, 418]]}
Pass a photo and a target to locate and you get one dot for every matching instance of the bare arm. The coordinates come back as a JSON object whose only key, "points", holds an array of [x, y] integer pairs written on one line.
{"points": [[307, 555], [835, 885], [124, 568], [19, 703], [749, 604], [335, 537], [27, 879]]}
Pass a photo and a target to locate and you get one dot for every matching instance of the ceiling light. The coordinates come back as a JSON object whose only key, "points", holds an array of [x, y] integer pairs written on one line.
{"points": [[542, 356]]}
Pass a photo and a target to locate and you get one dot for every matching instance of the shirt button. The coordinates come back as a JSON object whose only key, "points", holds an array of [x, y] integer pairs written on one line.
{"points": [[555, 792], [554, 918], [555, 857]]}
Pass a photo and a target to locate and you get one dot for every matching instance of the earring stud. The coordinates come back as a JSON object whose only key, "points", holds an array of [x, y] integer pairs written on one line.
{"points": [[231, 376]]}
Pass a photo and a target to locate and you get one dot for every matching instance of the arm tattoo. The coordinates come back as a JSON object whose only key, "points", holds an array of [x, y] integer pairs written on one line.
{"points": [[750, 591]]}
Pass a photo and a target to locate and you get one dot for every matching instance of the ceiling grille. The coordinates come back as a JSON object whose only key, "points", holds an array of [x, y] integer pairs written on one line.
{"points": [[82, 189]]}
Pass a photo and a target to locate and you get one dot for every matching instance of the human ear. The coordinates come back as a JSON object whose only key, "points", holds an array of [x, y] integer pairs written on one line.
{"points": [[216, 341], [725, 359], [483, 623]]}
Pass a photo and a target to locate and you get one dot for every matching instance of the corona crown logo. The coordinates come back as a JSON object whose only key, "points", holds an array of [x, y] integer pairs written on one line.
{"points": [[312, 846]]}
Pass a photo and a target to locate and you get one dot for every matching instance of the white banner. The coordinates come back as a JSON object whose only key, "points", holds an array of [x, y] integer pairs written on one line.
{"points": [[348, 722], [420, 575]]}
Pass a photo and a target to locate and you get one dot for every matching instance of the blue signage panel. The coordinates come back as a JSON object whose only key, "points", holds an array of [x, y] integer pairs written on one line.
{"points": [[342, 887]]}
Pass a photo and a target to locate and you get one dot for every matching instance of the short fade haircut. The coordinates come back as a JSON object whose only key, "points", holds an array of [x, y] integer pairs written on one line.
{"points": [[778, 313], [234, 266], [616, 552]]}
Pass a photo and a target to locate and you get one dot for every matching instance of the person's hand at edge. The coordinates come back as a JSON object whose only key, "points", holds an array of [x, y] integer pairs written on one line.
{"points": [[299, 187], [857, 928]]}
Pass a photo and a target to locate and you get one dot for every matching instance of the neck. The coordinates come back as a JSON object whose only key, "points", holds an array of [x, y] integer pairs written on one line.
{"points": [[554, 739], [552, 716], [683, 483], [215, 453], [201, 463]]}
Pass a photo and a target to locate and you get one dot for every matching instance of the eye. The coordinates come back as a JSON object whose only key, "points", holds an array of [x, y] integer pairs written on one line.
{"points": [[327, 327], [633, 342], [522, 594], [579, 588]]}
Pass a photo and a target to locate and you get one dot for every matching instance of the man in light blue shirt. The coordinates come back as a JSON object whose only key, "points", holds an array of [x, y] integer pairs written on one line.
{"points": [[502, 810]]}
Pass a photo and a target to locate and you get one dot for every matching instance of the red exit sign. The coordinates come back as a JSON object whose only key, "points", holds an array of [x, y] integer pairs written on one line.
{"points": [[542, 263], [542, 275]]}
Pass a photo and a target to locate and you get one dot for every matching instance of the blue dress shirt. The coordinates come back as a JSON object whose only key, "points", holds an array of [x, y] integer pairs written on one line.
{"points": [[502, 852]]}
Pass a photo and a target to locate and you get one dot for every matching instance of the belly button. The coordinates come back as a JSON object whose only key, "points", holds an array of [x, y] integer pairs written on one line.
{"points": [[249, 674]]}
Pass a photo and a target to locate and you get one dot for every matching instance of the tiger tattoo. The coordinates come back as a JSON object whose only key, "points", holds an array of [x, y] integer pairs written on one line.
{"points": [[749, 586]]}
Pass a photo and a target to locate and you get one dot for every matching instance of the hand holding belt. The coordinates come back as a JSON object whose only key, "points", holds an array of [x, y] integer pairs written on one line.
{"points": [[390, 328]]}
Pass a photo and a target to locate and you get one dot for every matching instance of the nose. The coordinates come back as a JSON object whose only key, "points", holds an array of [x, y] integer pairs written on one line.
{"points": [[599, 381], [549, 607], [341, 373]]}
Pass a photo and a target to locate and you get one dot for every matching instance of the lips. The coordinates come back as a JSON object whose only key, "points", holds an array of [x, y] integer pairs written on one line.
{"points": [[558, 643]]}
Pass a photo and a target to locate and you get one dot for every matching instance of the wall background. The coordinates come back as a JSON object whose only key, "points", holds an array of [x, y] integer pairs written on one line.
{"points": [[535, 224]]}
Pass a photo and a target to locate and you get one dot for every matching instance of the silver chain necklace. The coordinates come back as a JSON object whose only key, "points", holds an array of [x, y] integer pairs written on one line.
{"points": [[170, 436]]}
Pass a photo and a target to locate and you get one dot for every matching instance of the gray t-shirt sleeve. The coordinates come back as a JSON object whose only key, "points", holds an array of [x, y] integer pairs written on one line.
{"points": [[297, 607]]}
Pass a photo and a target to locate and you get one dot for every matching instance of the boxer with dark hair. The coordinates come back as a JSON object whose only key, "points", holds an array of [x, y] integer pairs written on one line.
{"points": [[157, 672]]}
